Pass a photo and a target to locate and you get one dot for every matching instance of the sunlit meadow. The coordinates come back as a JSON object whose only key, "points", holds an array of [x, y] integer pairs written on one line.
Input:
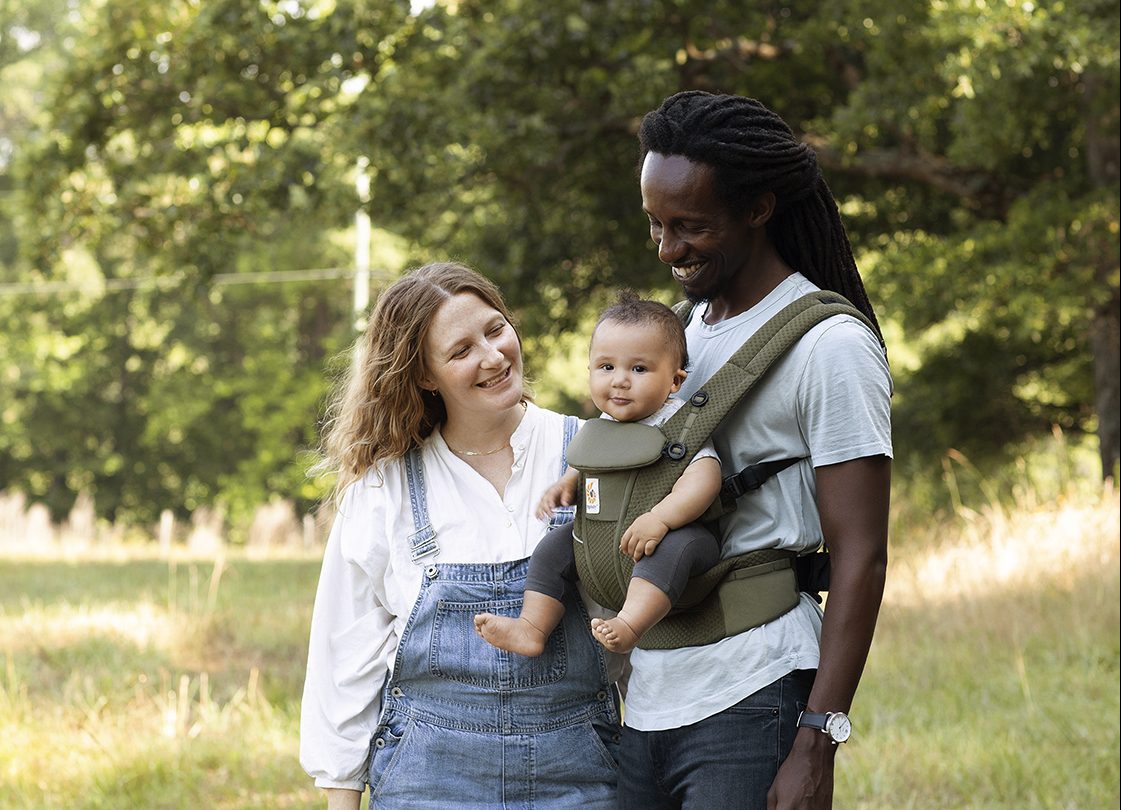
{"points": [[135, 680]]}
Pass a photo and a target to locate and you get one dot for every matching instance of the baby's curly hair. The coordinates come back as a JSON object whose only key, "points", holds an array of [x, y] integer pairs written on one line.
{"points": [[629, 308]]}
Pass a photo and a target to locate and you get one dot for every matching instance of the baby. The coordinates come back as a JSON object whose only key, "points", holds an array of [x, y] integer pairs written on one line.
{"points": [[637, 360]]}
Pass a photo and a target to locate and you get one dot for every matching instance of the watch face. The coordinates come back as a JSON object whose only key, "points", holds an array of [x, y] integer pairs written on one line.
{"points": [[839, 727]]}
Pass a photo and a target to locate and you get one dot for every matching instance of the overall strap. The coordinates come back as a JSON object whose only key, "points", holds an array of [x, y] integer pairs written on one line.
{"points": [[422, 542], [565, 514], [571, 425]]}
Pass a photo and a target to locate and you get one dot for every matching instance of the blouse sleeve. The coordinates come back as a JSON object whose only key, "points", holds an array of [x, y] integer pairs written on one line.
{"points": [[352, 642]]}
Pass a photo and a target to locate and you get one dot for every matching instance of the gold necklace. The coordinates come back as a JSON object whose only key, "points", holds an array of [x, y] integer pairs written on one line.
{"points": [[482, 452], [477, 452]]}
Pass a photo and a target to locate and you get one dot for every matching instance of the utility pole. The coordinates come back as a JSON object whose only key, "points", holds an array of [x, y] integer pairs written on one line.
{"points": [[361, 245]]}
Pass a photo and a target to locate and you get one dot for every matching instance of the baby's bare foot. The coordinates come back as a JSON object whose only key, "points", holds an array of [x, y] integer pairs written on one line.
{"points": [[614, 634], [512, 635]]}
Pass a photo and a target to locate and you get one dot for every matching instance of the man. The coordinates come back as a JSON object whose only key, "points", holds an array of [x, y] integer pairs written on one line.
{"points": [[741, 214]]}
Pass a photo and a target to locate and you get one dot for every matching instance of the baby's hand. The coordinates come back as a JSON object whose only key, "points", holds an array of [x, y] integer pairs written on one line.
{"points": [[561, 493], [643, 536]]}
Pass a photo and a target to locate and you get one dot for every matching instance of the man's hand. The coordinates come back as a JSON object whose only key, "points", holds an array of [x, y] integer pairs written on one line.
{"points": [[805, 778], [643, 536]]}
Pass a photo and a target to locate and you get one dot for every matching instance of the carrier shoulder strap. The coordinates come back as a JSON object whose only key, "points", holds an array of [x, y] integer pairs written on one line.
{"points": [[688, 429]]}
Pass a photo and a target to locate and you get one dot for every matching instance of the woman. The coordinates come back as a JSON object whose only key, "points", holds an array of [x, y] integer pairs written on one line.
{"points": [[441, 458]]}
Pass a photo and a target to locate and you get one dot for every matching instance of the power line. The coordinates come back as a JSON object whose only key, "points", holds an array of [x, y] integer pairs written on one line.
{"points": [[176, 279]]}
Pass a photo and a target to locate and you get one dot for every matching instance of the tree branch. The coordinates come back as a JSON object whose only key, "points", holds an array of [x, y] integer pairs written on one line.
{"points": [[975, 188]]}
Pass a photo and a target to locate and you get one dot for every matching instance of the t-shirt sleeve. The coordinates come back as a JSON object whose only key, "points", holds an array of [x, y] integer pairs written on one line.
{"points": [[844, 394], [706, 451]]}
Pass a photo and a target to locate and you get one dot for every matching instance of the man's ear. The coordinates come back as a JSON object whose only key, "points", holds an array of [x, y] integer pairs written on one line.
{"points": [[761, 210]]}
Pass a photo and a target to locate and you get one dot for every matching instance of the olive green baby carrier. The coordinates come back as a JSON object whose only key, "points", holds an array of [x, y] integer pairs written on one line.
{"points": [[627, 468]]}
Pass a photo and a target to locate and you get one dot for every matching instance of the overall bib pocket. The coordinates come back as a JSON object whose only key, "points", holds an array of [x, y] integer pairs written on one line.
{"points": [[457, 653]]}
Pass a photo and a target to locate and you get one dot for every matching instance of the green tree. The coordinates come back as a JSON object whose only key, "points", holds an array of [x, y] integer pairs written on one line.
{"points": [[180, 149], [973, 146]]}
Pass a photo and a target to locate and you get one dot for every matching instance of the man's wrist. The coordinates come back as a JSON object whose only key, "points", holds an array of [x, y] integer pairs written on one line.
{"points": [[834, 726]]}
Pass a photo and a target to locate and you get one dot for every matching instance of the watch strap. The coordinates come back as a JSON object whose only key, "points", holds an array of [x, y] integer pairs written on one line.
{"points": [[813, 720]]}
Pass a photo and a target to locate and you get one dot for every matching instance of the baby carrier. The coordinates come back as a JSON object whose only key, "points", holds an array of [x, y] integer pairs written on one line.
{"points": [[627, 468]]}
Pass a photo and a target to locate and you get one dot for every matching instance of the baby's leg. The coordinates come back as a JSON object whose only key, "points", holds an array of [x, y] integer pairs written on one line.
{"points": [[551, 568], [527, 633], [656, 584], [646, 605]]}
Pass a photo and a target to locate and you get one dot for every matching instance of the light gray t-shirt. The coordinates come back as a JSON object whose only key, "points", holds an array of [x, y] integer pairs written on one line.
{"points": [[827, 400]]}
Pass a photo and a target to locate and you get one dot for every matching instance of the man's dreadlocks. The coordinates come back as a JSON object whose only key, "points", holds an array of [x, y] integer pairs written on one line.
{"points": [[752, 151]]}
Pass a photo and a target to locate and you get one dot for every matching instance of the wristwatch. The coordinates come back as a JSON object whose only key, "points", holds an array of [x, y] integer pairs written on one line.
{"points": [[836, 724]]}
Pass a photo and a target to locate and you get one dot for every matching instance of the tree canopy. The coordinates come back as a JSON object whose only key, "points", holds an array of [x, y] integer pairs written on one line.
{"points": [[154, 153]]}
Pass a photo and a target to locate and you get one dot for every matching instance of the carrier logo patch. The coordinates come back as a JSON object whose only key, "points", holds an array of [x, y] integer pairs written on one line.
{"points": [[591, 496]]}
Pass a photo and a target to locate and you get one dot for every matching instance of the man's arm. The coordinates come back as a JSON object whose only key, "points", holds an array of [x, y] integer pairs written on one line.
{"points": [[853, 502]]}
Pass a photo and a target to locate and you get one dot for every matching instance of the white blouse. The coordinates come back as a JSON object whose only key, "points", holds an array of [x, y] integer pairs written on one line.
{"points": [[369, 583]]}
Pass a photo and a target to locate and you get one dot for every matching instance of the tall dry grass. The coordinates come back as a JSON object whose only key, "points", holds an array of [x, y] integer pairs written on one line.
{"points": [[133, 680], [993, 679]]}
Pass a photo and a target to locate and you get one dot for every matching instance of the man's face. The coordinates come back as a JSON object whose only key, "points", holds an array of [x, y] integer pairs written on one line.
{"points": [[704, 243]]}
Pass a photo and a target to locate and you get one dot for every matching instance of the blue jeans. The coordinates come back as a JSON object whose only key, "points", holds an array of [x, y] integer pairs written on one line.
{"points": [[728, 760]]}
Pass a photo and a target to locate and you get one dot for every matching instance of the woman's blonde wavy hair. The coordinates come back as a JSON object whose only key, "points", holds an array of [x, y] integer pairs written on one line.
{"points": [[378, 411]]}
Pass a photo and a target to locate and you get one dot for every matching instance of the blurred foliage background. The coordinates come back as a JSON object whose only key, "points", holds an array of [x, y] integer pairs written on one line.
{"points": [[178, 199]]}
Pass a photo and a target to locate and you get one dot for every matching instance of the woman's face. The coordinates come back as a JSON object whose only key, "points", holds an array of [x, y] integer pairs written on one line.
{"points": [[473, 358]]}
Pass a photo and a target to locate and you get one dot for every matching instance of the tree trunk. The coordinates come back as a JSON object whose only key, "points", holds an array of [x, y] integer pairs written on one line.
{"points": [[1105, 344], [1103, 159]]}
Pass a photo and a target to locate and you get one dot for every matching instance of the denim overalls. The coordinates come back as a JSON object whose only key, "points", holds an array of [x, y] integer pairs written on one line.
{"points": [[465, 724]]}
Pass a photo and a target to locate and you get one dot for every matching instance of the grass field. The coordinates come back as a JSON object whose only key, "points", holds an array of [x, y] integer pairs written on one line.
{"points": [[129, 681]]}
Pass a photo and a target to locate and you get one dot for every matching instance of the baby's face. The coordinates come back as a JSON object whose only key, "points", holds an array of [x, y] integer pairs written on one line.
{"points": [[632, 370]]}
